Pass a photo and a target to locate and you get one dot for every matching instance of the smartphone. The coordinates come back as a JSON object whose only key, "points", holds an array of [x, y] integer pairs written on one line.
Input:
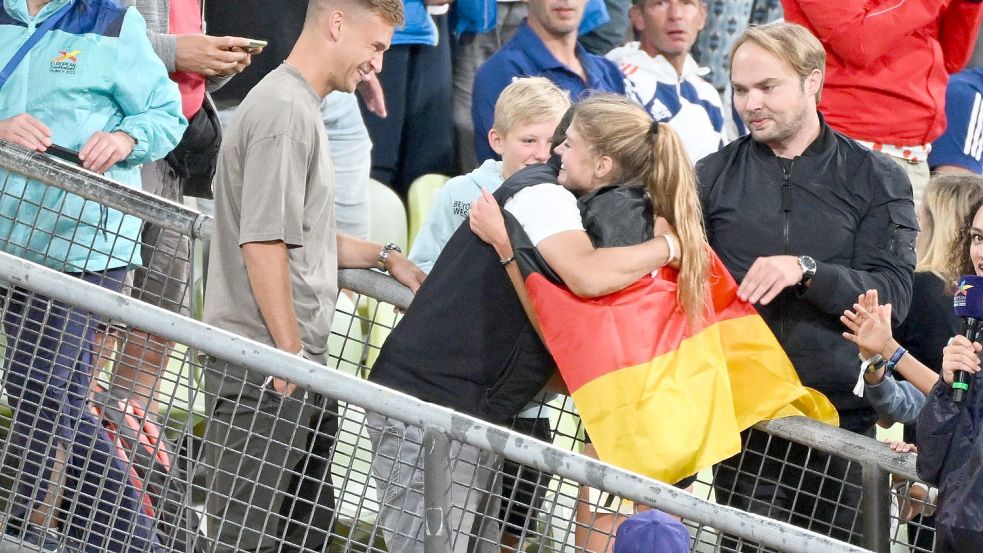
{"points": [[60, 152], [256, 44]]}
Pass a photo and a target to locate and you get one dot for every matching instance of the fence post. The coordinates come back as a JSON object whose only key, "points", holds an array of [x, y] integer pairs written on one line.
{"points": [[436, 490], [876, 505]]}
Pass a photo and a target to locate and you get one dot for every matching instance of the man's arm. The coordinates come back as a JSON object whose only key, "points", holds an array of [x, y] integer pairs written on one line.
{"points": [[355, 253], [860, 33], [883, 260], [268, 269]]}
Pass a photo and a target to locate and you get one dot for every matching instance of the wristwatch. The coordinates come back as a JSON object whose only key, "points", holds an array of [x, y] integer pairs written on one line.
{"points": [[384, 254], [808, 266]]}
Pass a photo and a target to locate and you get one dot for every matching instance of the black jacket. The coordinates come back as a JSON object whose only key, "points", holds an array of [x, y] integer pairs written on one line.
{"points": [[465, 342], [848, 208], [950, 455]]}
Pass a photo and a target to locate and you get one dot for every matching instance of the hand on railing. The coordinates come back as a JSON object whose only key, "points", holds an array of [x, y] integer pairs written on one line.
{"points": [[25, 131], [105, 149]]}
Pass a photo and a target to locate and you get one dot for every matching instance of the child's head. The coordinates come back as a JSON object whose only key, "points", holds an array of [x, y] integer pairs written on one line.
{"points": [[651, 531], [526, 114]]}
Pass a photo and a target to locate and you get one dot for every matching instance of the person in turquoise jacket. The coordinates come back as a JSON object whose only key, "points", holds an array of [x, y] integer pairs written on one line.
{"points": [[93, 84]]}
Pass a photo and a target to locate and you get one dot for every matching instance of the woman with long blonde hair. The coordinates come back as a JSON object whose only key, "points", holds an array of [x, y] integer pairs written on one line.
{"points": [[624, 168]]}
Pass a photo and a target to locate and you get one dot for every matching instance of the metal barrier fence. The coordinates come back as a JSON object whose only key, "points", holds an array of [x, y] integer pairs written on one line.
{"points": [[299, 472]]}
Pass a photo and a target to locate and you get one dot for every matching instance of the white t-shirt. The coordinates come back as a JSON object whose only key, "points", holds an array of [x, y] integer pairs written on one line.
{"points": [[544, 210]]}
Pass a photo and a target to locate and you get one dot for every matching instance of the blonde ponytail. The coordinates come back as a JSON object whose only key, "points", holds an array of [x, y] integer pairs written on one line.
{"points": [[672, 185], [653, 156]]}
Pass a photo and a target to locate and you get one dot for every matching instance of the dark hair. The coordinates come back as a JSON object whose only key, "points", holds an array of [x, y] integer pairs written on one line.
{"points": [[959, 262]]}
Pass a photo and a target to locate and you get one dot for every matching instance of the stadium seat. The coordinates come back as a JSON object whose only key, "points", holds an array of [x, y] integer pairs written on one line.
{"points": [[388, 225], [420, 200]]}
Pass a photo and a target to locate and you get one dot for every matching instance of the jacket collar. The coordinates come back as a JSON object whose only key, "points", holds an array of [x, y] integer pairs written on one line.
{"points": [[822, 143], [533, 46], [18, 9]]}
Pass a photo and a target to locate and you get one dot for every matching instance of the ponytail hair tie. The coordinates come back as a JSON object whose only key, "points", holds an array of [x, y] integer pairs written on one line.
{"points": [[655, 128]]}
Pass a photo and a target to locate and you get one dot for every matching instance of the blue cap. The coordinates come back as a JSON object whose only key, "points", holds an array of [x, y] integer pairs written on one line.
{"points": [[652, 531]]}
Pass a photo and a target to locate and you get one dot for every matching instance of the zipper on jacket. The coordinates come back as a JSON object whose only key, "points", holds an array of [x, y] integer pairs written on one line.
{"points": [[786, 216]]}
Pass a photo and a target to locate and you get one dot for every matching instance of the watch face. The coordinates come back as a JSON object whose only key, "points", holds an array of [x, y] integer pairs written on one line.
{"points": [[808, 265]]}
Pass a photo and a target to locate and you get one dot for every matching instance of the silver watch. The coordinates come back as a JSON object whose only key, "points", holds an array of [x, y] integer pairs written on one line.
{"points": [[808, 266], [384, 254]]}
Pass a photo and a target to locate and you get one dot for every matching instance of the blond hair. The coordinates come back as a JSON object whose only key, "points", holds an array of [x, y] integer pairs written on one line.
{"points": [[946, 206], [391, 11], [793, 44], [529, 100], [622, 130]]}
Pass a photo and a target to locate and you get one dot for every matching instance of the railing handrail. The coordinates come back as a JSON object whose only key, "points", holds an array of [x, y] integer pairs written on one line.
{"points": [[269, 361], [97, 188], [179, 218]]}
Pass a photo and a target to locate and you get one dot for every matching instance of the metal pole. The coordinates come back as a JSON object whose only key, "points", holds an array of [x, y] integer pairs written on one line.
{"points": [[876, 508], [269, 361], [436, 490]]}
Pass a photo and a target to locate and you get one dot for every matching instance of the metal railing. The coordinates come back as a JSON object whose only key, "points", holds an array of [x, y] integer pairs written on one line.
{"points": [[188, 411]]}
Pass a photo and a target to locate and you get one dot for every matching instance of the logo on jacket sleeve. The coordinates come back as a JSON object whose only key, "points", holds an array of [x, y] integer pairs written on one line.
{"points": [[65, 62]]}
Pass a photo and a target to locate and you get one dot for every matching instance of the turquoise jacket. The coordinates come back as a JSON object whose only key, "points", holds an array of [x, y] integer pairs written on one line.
{"points": [[95, 71]]}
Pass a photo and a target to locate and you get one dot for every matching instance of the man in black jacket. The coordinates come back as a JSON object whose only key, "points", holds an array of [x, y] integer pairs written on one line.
{"points": [[806, 220]]}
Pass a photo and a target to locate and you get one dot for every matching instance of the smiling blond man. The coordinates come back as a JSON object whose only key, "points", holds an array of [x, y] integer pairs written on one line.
{"points": [[273, 278]]}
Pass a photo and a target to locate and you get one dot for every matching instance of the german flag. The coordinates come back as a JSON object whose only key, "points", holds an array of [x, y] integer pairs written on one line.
{"points": [[657, 397]]}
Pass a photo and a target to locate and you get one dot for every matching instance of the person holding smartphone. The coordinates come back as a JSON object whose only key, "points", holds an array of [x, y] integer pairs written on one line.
{"points": [[83, 75]]}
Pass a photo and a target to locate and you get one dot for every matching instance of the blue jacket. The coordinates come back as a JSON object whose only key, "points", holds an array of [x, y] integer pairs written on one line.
{"points": [[480, 16], [419, 27], [526, 56], [950, 455], [95, 71]]}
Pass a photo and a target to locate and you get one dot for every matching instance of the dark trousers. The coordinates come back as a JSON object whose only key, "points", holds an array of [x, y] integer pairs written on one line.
{"points": [[790, 482], [417, 137], [49, 367], [270, 457]]}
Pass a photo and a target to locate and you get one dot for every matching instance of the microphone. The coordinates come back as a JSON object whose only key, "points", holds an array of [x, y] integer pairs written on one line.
{"points": [[968, 305]]}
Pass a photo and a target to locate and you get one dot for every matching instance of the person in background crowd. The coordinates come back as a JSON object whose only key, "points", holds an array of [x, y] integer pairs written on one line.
{"points": [[960, 148], [273, 279], [196, 62], [727, 20], [351, 149], [544, 46], [415, 135], [950, 445], [96, 54], [930, 322], [526, 114], [806, 220], [894, 61], [484, 26], [663, 77]]}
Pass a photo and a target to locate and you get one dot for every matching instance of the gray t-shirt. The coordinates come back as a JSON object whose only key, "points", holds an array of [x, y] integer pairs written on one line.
{"points": [[275, 181]]}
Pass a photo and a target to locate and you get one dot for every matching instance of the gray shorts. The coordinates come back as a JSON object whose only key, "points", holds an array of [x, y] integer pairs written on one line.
{"points": [[397, 467], [163, 280]]}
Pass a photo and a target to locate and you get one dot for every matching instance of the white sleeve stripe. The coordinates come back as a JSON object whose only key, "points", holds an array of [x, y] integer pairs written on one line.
{"points": [[974, 129]]}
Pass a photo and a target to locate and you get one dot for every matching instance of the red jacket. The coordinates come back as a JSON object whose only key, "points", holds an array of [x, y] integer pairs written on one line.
{"points": [[888, 62]]}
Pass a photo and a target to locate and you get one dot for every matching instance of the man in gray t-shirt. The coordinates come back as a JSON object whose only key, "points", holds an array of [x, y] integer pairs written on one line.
{"points": [[272, 277]]}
